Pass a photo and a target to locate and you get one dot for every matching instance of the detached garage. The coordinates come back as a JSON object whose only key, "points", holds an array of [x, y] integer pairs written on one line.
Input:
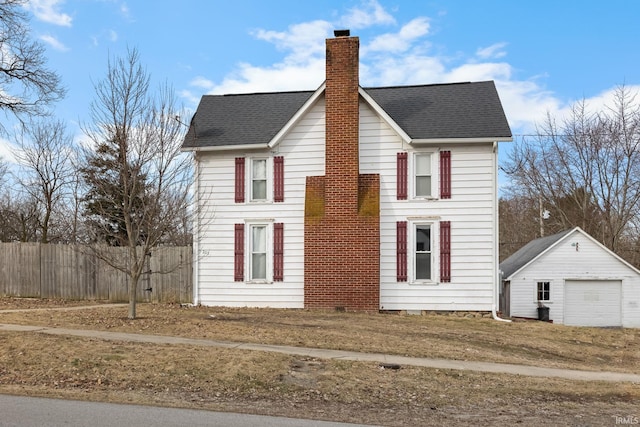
{"points": [[575, 279]]}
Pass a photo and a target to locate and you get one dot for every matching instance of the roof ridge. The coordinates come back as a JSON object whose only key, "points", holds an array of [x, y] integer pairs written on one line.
{"points": [[257, 93], [426, 85]]}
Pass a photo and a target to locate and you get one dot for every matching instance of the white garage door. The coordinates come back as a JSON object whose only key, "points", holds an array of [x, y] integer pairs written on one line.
{"points": [[593, 302]]}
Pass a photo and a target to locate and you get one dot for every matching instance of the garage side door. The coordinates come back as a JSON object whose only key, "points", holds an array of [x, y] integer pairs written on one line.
{"points": [[593, 302]]}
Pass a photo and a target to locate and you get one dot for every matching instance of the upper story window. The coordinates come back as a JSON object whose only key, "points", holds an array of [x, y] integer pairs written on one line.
{"points": [[258, 179], [264, 178], [427, 170], [423, 175]]}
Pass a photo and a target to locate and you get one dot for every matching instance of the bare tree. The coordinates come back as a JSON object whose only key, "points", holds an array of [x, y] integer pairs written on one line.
{"points": [[45, 151], [27, 87], [4, 168], [586, 170], [519, 223], [19, 218], [136, 175]]}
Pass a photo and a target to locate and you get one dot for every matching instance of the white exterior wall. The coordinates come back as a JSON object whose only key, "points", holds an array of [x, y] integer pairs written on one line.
{"points": [[471, 212], [563, 262], [303, 151]]}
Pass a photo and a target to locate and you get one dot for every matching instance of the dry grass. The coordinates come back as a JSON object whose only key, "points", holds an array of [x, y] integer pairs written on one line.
{"points": [[224, 379]]}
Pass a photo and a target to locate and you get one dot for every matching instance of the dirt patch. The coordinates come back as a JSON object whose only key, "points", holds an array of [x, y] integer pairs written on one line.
{"points": [[276, 384]]}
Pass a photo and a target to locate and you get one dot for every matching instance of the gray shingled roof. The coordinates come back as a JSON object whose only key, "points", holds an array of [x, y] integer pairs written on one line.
{"points": [[457, 110], [529, 252], [223, 120], [442, 111]]}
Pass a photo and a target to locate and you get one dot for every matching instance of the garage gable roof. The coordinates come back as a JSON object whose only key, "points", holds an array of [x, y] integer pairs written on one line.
{"points": [[529, 252], [538, 247]]}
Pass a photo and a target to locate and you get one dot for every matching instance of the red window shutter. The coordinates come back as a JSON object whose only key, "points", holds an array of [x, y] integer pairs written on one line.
{"points": [[445, 251], [239, 179], [278, 252], [278, 179], [238, 260], [401, 251], [402, 171], [445, 174]]}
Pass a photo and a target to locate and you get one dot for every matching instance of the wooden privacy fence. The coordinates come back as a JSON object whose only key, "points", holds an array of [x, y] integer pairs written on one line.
{"points": [[71, 272]]}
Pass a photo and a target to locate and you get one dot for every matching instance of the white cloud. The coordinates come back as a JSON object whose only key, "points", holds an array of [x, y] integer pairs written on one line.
{"points": [[6, 151], [48, 11], [189, 97], [402, 40], [400, 55], [280, 77], [54, 43], [125, 11], [108, 35], [202, 83], [369, 13], [302, 41], [494, 51]]}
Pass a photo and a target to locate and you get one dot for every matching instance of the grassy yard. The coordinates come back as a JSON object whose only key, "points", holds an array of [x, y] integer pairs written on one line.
{"points": [[256, 382]]}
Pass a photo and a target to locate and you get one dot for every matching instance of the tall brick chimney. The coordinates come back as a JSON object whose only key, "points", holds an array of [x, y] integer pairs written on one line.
{"points": [[342, 124], [342, 208]]}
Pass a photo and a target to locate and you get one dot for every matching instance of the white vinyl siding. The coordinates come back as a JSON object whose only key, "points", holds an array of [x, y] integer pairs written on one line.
{"points": [[471, 212]]}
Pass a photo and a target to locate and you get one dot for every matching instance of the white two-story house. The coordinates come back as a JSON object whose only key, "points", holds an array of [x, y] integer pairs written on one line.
{"points": [[348, 197]]}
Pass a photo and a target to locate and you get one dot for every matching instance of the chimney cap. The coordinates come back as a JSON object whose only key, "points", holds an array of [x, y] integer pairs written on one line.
{"points": [[341, 33]]}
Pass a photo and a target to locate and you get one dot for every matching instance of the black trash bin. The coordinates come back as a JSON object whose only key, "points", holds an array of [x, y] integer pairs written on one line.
{"points": [[543, 313]]}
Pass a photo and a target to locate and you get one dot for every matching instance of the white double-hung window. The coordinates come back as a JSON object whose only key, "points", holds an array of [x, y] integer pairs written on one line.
{"points": [[423, 253], [258, 252], [258, 179], [423, 175]]}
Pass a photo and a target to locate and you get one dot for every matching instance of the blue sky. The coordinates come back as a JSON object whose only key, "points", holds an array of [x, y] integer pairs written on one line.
{"points": [[543, 54]]}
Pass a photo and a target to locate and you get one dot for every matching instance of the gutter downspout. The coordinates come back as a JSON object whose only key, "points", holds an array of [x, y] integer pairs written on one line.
{"points": [[496, 224]]}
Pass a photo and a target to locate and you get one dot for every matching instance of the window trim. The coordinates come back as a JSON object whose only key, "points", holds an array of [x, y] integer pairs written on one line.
{"points": [[268, 182], [424, 251], [434, 174], [250, 223], [537, 291], [435, 251], [252, 252]]}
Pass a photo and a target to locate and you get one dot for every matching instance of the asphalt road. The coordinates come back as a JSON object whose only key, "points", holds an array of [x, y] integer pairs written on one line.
{"points": [[20, 411]]}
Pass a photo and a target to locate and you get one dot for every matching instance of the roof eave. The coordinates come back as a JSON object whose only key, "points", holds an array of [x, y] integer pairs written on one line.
{"points": [[226, 147], [460, 140]]}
